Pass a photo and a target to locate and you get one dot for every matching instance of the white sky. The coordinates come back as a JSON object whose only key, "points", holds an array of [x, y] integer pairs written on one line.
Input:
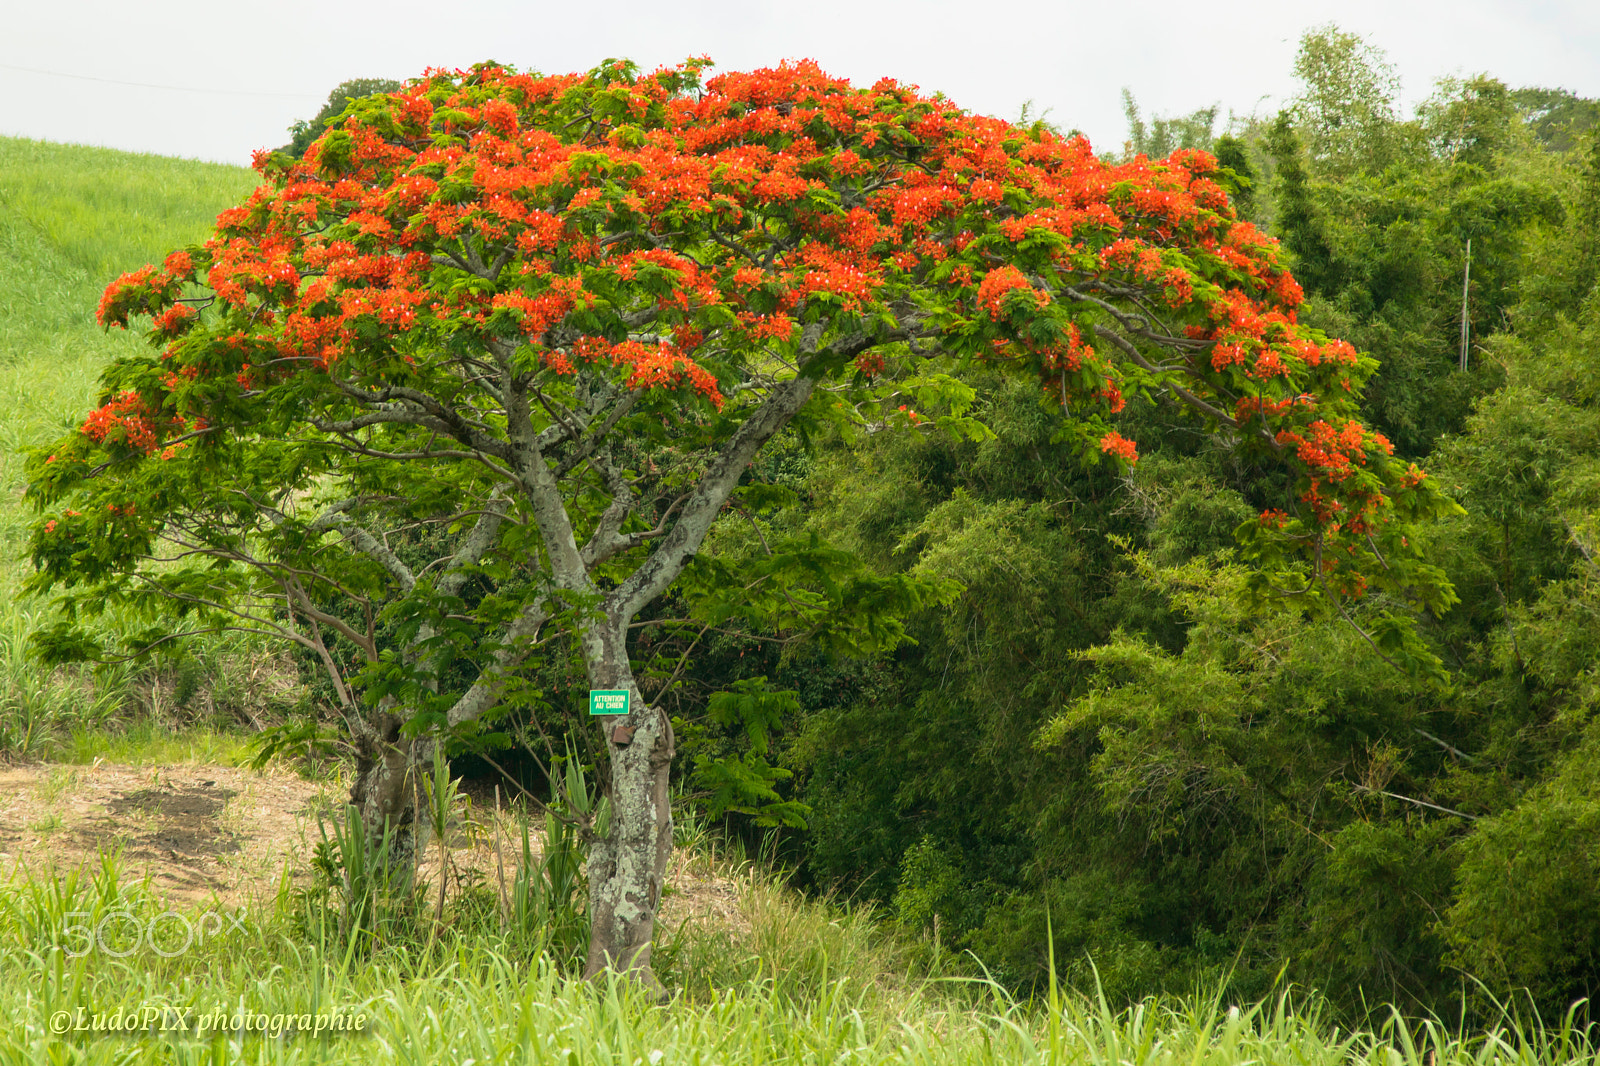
{"points": [[247, 70]]}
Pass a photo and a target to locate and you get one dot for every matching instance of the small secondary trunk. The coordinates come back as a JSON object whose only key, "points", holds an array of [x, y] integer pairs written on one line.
{"points": [[629, 867], [384, 790]]}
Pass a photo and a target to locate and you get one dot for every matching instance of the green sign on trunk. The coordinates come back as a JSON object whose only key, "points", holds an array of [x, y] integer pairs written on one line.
{"points": [[608, 701]]}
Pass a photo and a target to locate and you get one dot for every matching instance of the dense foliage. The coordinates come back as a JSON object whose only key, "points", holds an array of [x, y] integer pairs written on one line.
{"points": [[1097, 735]]}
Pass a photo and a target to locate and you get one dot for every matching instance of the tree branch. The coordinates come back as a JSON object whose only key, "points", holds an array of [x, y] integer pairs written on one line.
{"points": [[515, 644]]}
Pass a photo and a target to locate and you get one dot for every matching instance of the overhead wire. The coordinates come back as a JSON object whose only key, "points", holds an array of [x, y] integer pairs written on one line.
{"points": [[152, 85]]}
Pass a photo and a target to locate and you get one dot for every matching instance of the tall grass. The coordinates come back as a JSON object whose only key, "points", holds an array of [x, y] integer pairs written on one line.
{"points": [[472, 998], [71, 219]]}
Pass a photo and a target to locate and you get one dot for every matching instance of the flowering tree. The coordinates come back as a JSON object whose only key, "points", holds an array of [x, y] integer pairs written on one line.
{"points": [[559, 316]]}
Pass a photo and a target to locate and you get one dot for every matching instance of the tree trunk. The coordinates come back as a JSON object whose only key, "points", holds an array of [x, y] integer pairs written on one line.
{"points": [[385, 789], [628, 868]]}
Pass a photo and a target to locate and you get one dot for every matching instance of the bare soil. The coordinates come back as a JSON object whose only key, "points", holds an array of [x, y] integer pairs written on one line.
{"points": [[208, 835], [198, 833]]}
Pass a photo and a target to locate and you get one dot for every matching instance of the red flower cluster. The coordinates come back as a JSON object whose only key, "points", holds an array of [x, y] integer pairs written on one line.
{"points": [[1115, 443], [650, 366], [998, 282], [125, 420], [652, 228]]}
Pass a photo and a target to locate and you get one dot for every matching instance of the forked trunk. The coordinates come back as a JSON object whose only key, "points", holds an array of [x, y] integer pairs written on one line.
{"points": [[628, 869]]}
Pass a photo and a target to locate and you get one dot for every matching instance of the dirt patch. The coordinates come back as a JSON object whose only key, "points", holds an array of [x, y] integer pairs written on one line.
{"points": [[217, 834], [198, 833], [190, 819]]}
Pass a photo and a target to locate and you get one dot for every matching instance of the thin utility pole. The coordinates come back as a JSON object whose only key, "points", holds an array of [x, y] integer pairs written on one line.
{"points": [[1465, 275]]}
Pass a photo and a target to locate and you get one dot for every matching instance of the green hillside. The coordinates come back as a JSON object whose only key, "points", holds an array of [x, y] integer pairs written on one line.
{"points": [[71, 219]]}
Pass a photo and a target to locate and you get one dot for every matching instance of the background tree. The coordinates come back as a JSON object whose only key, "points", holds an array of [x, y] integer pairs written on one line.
{"points": [[581, 305], [1347, 102], [1162, 135], [304, 132]]}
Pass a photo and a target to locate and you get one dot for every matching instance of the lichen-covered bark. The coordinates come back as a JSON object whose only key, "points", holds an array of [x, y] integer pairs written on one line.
{"points": [[628, 868]]}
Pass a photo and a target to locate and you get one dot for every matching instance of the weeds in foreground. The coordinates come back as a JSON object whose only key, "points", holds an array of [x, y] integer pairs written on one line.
{"points": [[369, 899]]}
